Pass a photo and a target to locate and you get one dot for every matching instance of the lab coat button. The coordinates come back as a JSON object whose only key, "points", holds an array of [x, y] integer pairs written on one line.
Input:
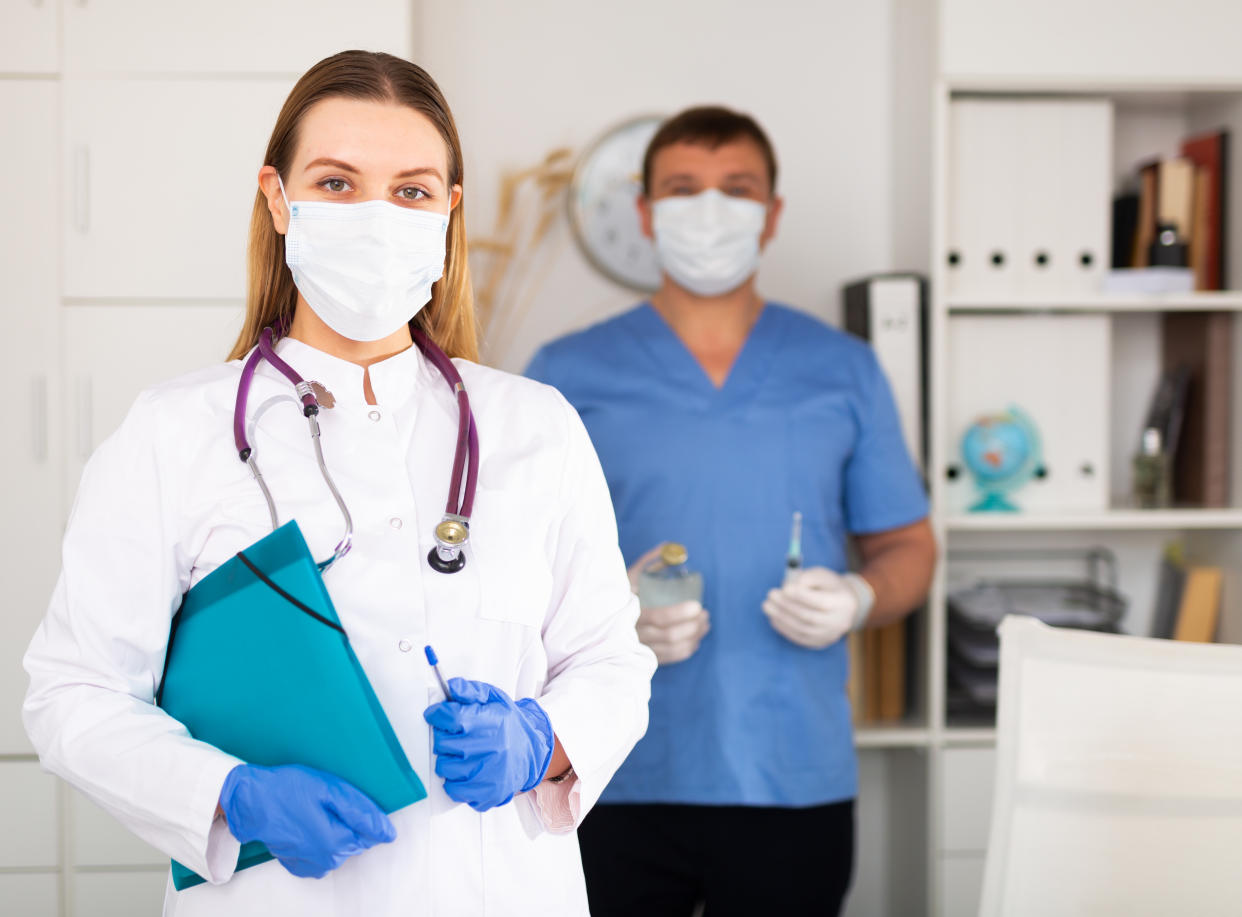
{"points": [[374, 415], [395, 522], [405, 646]]}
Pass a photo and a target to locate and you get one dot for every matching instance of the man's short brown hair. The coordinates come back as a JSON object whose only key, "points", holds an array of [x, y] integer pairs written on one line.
{"points": [[710, 126]]}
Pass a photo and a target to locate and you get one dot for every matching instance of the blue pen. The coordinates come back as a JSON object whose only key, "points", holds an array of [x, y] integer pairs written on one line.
{"points": [[435, 667]]}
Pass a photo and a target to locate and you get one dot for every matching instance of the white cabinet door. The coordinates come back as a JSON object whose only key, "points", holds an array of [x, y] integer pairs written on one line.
{"points": [[30, 838], [28, 41], [113, 352], [30, 895], [962, 886], [969, 776], [228, 36], [31, 502], [118, 894], [161, 180]]}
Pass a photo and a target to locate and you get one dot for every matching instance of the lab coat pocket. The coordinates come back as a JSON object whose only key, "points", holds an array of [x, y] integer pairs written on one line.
{"points": [[509, 540]]}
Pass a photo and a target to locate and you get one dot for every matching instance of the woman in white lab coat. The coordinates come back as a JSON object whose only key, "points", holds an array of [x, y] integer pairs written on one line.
{"points": [[366, 150]]}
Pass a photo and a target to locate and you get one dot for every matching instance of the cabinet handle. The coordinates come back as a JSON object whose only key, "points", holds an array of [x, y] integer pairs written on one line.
{"points": [[85, 433], [82, 188], [38, 418]]}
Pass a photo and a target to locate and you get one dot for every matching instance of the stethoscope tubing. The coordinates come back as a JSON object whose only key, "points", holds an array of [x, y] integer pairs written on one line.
{"points": [[467, 453], [465, 457]]}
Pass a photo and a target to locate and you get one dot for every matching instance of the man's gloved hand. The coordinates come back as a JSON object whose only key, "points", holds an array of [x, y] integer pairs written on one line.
{"points": [[312, 822], [819, 607], [673, 632], [487, 747]]}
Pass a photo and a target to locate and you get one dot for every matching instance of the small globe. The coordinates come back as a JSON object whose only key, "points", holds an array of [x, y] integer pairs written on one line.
{"points": [[996, 450]]}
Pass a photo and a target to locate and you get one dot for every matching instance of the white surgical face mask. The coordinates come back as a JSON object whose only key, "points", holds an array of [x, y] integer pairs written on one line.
{"points": [[708, 242], [366, 269]]}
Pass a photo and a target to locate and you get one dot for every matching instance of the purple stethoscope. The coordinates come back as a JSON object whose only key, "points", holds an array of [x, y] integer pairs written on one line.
{"points": [[453, 531]]}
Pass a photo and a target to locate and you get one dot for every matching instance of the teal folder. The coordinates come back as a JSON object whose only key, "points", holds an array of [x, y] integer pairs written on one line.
{"points": [[259, 667]]}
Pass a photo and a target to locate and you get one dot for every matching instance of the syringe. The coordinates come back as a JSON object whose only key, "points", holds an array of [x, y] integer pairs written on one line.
{"points": [[793, 558]]}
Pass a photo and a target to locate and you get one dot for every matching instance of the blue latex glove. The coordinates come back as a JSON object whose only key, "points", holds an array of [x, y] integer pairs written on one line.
{"points": [[312, 822], [487, 747]]}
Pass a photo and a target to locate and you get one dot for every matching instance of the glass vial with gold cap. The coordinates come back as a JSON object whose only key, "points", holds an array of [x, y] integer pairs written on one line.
{"points": [[667, 580]]}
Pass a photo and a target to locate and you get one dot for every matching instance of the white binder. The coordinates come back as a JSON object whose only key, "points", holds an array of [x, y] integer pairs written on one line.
{"points": [[1029, 198], [888, 311], [1086, 184], [1055, 368], [983, 202], [1041, 216]]}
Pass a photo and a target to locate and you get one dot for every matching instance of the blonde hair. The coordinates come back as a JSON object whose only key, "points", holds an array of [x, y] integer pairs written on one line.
{"points": [[449, 318]]}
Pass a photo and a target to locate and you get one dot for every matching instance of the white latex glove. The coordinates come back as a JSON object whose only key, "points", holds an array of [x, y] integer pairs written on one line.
{"points": [[673, 632], [819, 607]]}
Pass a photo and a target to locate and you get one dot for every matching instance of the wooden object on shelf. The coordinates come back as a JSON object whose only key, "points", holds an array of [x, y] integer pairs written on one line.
{"points": [[871, 675], [1177, 195], [1145, 231], [891, 703], [854, 687], [1209, 152], [877, 679], [1200, 607], [1203, 342]]}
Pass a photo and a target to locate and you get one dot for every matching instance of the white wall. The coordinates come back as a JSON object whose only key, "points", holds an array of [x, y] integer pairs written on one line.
{"points": [[842, 88]]}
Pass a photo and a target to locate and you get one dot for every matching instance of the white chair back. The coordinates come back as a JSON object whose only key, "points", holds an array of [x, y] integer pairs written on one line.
{"points": [[1119, 777]]}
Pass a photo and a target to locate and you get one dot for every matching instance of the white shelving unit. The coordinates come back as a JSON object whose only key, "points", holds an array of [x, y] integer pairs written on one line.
{"points": [[1152, 111], [1223, 301], [1115, 520]]}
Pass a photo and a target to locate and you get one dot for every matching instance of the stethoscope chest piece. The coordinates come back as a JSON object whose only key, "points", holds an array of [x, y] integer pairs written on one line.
{"points": [[453, 531], [451, 536]]}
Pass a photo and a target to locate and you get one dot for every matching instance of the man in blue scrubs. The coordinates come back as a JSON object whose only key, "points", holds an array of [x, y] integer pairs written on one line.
{"points": [[716, 416]]}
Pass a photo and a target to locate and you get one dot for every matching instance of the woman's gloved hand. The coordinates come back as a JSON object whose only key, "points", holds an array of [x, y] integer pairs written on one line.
{"points": [[673, 632], [312, 822], [487, 747], [819, 607]]}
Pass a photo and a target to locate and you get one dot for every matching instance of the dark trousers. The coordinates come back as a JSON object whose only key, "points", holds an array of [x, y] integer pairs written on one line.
{"points": [[660, 860]]}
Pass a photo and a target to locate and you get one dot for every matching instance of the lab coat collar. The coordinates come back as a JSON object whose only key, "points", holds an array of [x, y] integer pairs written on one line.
{"points": [[393, 380]]}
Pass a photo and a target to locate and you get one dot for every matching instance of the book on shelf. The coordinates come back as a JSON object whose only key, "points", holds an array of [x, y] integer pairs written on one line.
{"points": [[1176, 201], [890, 312], [1209, 153], [1174, 216], [1200, 605], [1202, 343], [854, 684], [1145, 230], [877, 678], [1169, 588]]}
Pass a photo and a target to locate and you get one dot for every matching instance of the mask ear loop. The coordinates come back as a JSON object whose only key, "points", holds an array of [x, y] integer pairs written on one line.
{"points": [[288, 209], [281, 326]]}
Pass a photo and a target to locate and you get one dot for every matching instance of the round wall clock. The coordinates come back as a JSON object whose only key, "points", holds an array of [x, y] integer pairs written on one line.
{"points": [[605, 184]]}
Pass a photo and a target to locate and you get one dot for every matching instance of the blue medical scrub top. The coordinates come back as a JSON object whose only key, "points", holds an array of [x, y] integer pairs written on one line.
{"points": [[805, 421]]}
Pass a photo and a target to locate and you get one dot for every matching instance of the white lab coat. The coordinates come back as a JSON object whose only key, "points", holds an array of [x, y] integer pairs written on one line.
{"points": [[542, 609]]}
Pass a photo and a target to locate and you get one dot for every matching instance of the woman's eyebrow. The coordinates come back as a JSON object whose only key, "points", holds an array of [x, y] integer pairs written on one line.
{"points": [[333, 163], [425, 170]]}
